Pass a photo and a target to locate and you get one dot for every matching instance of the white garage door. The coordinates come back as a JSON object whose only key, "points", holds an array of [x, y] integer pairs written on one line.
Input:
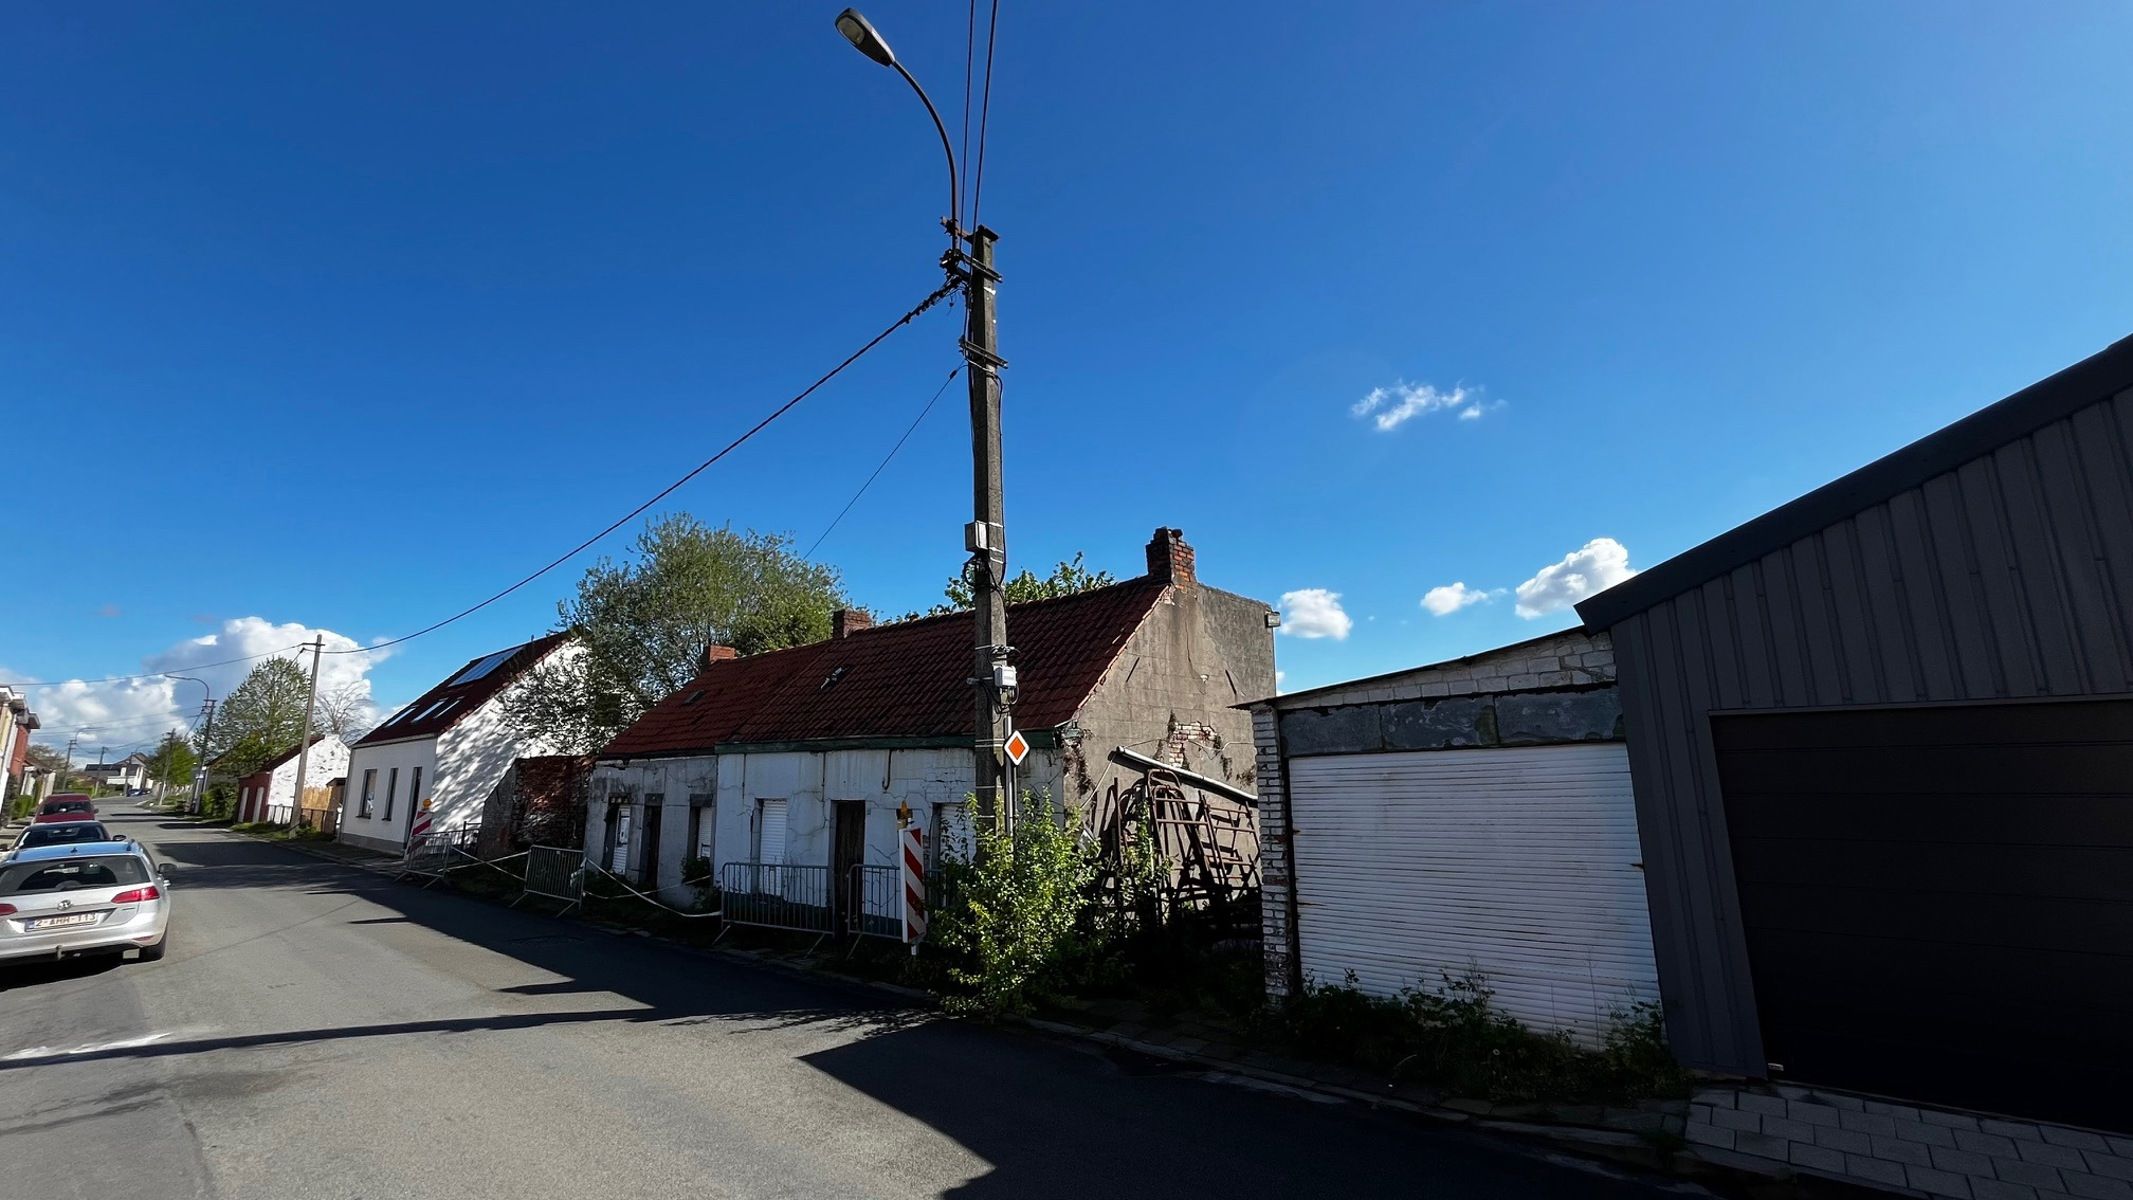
{"points": [[1520, 863]]}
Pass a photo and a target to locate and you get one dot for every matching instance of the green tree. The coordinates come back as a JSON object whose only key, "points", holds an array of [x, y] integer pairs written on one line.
{"points": [[1067, 579], [173, 760], [644, 625], [262, 718], [1013, 916]]}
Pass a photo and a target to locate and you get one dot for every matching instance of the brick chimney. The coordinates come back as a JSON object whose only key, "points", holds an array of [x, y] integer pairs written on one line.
{"points": [[847, 621], [714, 654], [1170, 559]]}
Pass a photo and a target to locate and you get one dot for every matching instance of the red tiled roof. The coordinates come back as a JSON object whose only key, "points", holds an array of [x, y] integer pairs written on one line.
{"points": [[417, 720], [910, 679], [713, 705]]}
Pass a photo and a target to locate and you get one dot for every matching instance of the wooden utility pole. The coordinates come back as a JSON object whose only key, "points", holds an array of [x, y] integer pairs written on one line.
{"points": [[303, 739]]}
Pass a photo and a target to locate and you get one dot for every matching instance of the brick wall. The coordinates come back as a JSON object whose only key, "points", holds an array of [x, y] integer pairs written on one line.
{"points": [[1276, 920]]}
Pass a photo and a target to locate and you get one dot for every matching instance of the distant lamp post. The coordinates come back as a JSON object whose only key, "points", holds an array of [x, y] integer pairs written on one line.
{"points": [[207, 725]]}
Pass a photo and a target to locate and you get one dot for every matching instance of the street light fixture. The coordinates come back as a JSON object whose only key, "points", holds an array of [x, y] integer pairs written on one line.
{"points": [[862, 35], [207, 726]]}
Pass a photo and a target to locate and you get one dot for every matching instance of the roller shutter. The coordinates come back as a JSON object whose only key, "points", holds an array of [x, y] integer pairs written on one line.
{"points": [[1520, 863]]}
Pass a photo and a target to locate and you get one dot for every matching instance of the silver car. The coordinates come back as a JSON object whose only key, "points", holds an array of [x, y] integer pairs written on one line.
{"points": [[83, 898]]}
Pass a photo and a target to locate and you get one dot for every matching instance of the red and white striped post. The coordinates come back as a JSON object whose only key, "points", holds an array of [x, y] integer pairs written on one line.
{"points": [[914, 904], [420, 829]]}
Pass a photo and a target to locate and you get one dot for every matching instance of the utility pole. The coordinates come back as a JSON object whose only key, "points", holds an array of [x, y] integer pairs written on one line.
{"points": [[207, 730], [303, 739], [170, 744], [986, 537], [68, 768], [103, 756]]}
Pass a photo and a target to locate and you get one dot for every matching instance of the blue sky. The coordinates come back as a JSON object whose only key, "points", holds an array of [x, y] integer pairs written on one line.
{"points": [[342, 317]]}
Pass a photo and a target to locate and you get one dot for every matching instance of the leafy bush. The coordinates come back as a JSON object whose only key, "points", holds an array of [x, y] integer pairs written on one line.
{"points": [[1456, 1039], [1014, 918]]}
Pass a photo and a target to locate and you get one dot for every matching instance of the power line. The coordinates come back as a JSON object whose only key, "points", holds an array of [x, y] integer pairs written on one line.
{"points": [[884, 461], [977, 197], [227, 662], [938, 294], [970, 49]]}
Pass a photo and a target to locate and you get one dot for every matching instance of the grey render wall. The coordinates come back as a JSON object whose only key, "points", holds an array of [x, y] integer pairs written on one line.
{"points": [[1173, 690], [1555, 688], [2006, 578]]}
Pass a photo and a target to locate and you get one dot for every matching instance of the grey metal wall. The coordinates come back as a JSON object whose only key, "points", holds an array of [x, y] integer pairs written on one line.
{"points": [[2009, 577]]}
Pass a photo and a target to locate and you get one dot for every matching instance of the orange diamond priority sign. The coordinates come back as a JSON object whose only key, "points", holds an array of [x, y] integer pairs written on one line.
{"points": [[1017, 747]]}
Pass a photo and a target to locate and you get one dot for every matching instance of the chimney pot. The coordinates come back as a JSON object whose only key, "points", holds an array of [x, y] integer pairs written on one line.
{"points": [[847, 621], [1170, 559], [714, 654]]}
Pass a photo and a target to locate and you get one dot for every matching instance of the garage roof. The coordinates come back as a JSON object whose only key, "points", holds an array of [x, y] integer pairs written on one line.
{"points": [[2092, 379]]}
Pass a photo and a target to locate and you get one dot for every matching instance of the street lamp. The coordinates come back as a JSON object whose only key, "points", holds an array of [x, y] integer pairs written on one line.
{"points": [[992, 678], [207, 726], [868, 41]]}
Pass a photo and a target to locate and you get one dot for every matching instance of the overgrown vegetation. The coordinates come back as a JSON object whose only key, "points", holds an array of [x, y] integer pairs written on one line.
{"points": [[1013, 922], [1067, 579], [1458, 1040]]}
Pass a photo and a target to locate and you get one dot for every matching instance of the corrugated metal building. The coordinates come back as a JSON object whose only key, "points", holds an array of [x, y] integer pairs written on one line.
{"points": [[1468, 818], [1882, 743]]}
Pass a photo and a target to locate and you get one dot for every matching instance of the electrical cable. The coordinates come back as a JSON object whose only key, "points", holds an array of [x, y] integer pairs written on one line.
{"points": [[884, 462], [938, 295], [977, 197], [227, 662], [970, 46]]}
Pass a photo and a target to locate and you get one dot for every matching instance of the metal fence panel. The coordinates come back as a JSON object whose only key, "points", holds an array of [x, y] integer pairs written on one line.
{"points": [[777, 896], [876, 906], [556, 872]]}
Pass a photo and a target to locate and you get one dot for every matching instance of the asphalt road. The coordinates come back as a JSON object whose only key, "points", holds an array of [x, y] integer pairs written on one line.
{"points": [[319, 1031]]}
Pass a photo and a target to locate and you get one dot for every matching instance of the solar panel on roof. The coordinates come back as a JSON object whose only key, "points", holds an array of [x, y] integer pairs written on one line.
{"points": [[481, 667]]}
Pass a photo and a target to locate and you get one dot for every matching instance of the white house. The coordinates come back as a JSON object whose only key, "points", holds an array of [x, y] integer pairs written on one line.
{"points": [[450, 747], [269, 794], [802, 757], [127, 773]]}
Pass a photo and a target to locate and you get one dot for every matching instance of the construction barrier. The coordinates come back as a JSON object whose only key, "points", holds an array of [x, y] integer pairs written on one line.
{"points": [[777, 896], [876, 902], [556, 872]]}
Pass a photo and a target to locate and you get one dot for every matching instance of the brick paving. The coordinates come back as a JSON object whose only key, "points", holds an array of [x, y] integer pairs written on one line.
{"points": [[1922, 1151]]}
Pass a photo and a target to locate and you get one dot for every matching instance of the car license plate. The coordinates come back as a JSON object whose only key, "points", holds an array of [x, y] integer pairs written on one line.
{"points": [[61, 922]]}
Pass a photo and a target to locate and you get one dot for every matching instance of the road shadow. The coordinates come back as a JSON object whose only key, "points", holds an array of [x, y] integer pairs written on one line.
{"points": [[1048, 1117], [15, 976]]}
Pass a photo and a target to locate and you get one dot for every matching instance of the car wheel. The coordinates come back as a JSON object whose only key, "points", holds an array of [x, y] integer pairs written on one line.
{"points": [[155, 953]]}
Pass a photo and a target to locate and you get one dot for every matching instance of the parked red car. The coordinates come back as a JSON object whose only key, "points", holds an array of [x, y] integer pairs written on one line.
{"points": [[65, 806]]}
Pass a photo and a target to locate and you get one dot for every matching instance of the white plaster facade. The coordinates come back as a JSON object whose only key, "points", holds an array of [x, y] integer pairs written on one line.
{"points": [[328, 761], [935, 781], [458, 768]]}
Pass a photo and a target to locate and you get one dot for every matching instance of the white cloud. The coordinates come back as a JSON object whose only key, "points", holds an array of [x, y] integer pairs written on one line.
{"points": [[1599, 565], [1314, 613], [141, 710], [1451, 597], [1280, 678], [1391, 407]]}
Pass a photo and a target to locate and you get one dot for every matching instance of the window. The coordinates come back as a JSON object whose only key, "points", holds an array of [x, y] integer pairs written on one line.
{"points": [[414, 791], [392, 787], [68, 874], [770, 831], [370, 792], [703, 827], [480, 667], [950, 838]]}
